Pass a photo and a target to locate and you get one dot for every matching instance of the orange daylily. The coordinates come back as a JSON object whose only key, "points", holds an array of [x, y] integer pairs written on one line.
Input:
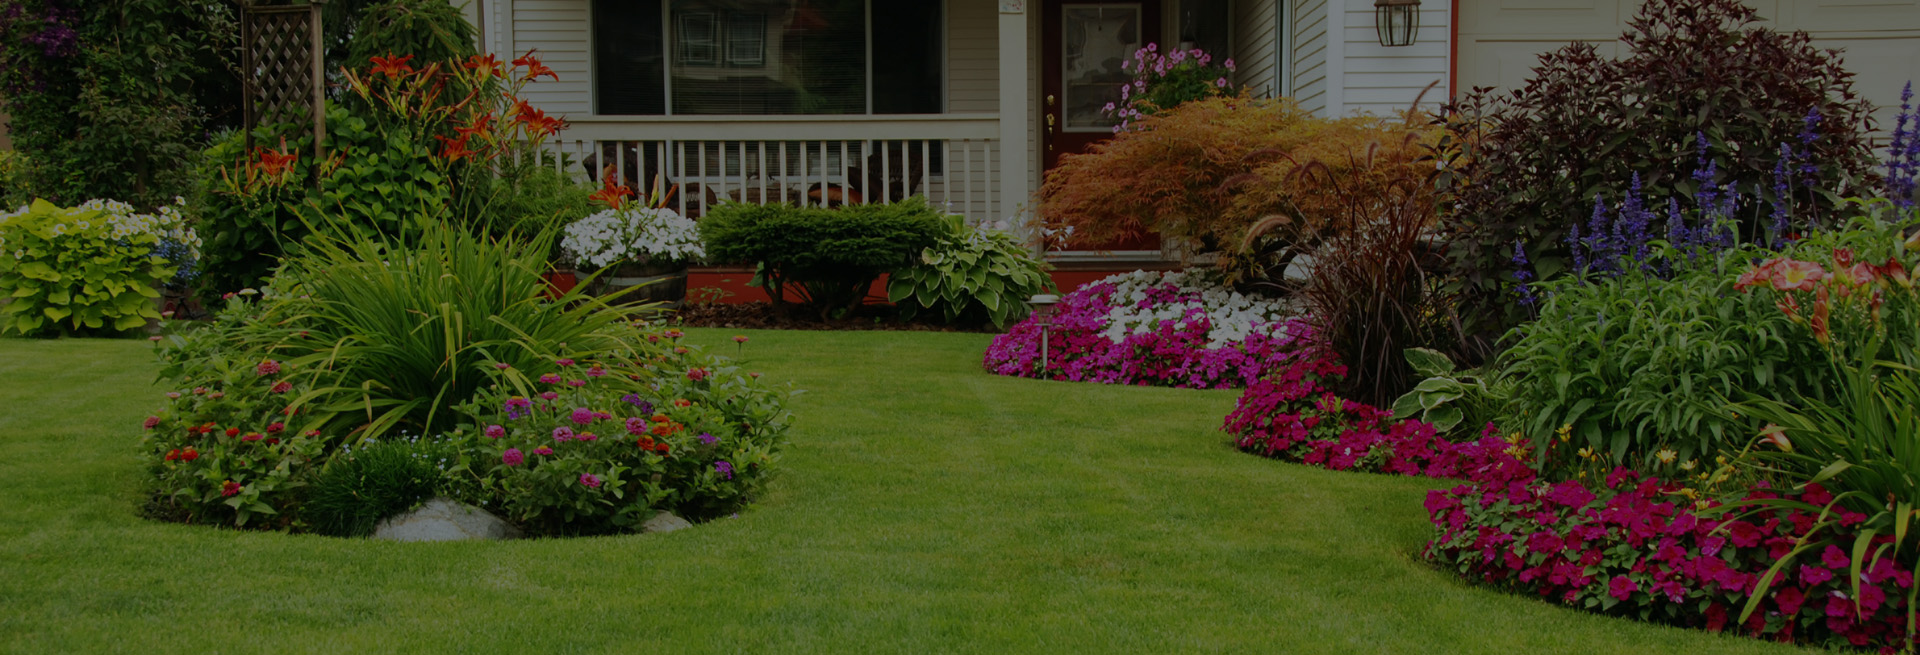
{"points": [[454, 149], [612, 195], [489, 64], [392, 66], [274, 163], [534, 67], [1792, 275]]}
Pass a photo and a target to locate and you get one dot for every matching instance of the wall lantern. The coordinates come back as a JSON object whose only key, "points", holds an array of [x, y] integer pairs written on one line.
{"points": [[1398, 21]]}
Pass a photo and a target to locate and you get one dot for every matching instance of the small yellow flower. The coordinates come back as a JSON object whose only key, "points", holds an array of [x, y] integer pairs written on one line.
{"points": [[1586, 453], [1566, 432], [1689, 492], [1687, 465], [1666, 455], [1721, 459]]}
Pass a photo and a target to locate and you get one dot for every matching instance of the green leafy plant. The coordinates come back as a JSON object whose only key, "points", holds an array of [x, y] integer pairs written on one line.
{"points": [[234, 444], [828, 258], [1163, 81], [1620, 368], [364, 486], [1456, 402], [971, 274], [593, 452], [80, 269]]}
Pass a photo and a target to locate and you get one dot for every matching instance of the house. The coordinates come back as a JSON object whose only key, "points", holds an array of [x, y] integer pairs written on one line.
{"points": [[970, 101]]}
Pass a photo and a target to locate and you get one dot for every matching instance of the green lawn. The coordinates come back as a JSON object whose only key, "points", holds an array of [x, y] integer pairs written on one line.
{"points": [[924, 506]]}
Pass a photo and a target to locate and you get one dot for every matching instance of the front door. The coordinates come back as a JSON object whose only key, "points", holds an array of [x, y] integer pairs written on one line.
{"points": [[1082, 45]]}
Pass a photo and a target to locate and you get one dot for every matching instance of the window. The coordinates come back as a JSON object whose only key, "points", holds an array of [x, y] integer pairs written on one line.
{"points": [[768, 57]]}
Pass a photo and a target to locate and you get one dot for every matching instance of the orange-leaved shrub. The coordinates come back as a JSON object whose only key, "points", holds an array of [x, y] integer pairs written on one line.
{"points": [[1206, 171]]}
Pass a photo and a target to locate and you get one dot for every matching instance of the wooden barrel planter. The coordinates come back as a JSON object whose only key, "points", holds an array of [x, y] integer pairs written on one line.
{"points": [[661, 283]]}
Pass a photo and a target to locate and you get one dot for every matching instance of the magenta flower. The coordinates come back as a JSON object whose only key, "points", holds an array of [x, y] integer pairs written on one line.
{"points": [[543, 450], [267, 368], [564, 362], [636, 426], [517, 407], [549, 378], [588, 436], [562, 434], [502, 365], [1622, 588], [582, 416], [596, 372], [1222, 83], [697, 374], [496, 432], [590, 480], [549, 395], [512, 457]]}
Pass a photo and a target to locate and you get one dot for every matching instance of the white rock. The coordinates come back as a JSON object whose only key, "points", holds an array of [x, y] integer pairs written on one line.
{"points": [[664, 522], [442, 519]]}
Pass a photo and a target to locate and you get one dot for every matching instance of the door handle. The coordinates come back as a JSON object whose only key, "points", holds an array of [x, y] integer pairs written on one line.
{"points": [[1049, 123], [1049, 100]]}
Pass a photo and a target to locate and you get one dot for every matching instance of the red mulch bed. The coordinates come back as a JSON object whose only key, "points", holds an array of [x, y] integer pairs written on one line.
{"points": [[761, 316]]}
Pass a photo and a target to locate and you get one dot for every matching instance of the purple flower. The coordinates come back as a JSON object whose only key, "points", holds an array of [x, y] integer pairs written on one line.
{"points": [[724, 468], [582, 416], [634, 400], [590, 480], [562, 434], [512, 457], [1903, 161], [708, 438], [517, 407], [1521, 273], [496, 432]]}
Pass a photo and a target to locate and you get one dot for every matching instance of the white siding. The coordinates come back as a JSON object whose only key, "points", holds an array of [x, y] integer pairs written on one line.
{"points": [[973, 56], [1382, 80], [562, 32], [1309, 46], [1879, 39], [1255, 39]]}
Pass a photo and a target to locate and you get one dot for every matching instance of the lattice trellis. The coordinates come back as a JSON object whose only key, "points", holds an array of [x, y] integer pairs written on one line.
{"points": [[283, 57]]}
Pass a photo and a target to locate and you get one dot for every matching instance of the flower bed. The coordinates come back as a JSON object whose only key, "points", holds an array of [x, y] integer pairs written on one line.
{"points": [[1290, 416], [1645, 548], [1158, 329]]}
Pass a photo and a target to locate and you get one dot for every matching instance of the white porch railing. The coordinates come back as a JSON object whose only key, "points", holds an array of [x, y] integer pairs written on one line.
{"points": [[953, 160]]}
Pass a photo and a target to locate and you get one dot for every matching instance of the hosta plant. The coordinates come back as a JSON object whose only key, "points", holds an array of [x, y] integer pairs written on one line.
{"points": [[972, 273], [92, 268]]}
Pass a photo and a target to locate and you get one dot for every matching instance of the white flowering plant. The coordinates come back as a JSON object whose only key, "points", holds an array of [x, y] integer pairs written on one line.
{"points": [[1143, 300], [89, 268], [640, 235]]}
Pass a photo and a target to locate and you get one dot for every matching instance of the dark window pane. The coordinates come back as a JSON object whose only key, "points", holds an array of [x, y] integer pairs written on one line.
{"points": [[1205, 24], [907, 42], [629, 58], [769, 57]]}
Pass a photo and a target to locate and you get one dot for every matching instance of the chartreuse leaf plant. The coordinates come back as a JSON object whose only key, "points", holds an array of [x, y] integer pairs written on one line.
{"points": [[971, 274], [81, 269]]}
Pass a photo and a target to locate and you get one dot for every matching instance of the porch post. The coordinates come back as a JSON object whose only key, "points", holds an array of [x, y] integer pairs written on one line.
{"points": [[1015, 151]]}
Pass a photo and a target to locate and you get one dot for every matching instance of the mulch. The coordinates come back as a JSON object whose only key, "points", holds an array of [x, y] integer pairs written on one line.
{"points": [[760, 315]]}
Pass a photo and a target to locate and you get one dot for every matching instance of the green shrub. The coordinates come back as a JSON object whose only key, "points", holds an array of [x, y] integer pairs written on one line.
{"points": [[1458, 403], [388, 180], [364, 486], [829, 258], [245, 232], [595, 452], [1627, 366], [93, 268], [360, 337], [972, 274], [430, 30], [1527, 166]]}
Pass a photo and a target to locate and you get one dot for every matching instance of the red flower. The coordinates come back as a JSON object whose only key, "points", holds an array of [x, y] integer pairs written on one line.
{"points": [[151, 422], [275, 427], [233, 432], [252, 436], [230, 488], [392, 66], [480, 124], [454, 149], [490, 65], [273, 163], [282, 386], [189, 455], [534, 67], [268, 367], [612, 194], [173, 454]]}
